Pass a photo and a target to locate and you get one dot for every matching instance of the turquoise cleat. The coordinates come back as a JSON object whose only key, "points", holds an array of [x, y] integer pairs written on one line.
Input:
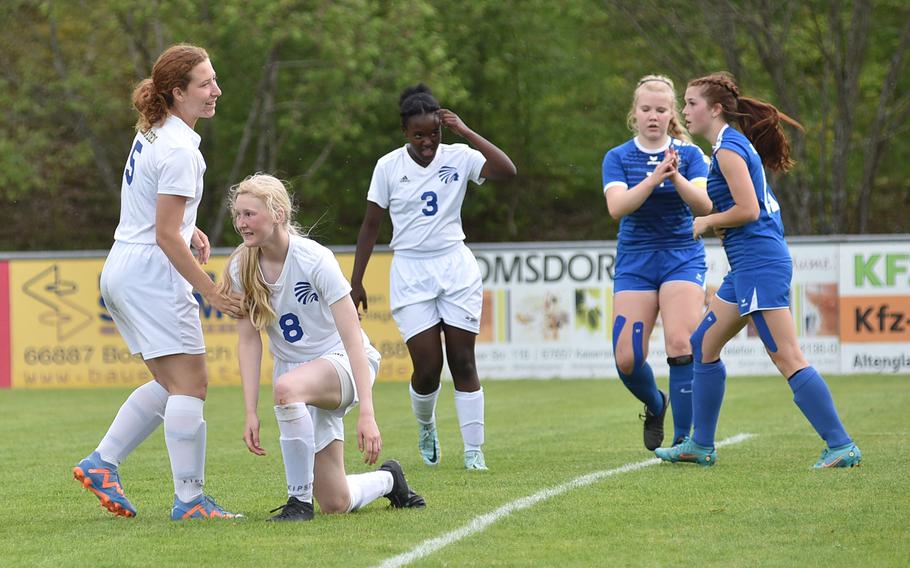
{"points": [[688, 451], [847, 455], [202, 507], [428, 444], [102, 479], [473, 459]]}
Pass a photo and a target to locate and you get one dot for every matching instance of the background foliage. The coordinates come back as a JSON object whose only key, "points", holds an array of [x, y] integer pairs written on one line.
{"points": [[311, 89]]}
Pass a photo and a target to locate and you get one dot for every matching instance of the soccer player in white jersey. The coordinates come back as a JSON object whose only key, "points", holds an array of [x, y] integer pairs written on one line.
{"points": [[652, 184], [435, 285], [757, 288], [148, 280], [323, 362]]}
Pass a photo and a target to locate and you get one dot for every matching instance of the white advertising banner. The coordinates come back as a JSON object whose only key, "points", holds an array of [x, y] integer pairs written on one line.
{"points": [[875, 307], [548, 312]]}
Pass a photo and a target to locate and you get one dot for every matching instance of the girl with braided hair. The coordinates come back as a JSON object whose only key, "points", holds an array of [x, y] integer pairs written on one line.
{"points": [[758, 284], [435, 282], [652, 184]]}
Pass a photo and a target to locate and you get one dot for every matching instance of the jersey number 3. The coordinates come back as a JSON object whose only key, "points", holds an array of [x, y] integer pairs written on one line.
{"points": [[432, 207], [131, 167]]}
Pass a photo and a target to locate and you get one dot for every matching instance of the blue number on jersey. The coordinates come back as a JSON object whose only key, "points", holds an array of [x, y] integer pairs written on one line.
{"points": [[131, 168], [432, 207], [290, 327]]}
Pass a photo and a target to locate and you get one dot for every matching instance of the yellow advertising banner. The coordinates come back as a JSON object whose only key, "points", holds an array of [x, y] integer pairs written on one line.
{"points": [[63, 337]]}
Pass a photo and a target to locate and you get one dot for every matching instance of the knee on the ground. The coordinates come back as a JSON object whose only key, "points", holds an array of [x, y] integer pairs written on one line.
{"points": [[334, 504]]}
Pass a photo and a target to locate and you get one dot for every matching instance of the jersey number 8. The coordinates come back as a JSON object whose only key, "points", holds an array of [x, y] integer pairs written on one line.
{"points": [[290, 327]]}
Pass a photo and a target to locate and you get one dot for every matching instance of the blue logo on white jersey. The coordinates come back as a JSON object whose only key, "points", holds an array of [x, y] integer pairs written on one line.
{"points": [[304, 292], [448, 173]]}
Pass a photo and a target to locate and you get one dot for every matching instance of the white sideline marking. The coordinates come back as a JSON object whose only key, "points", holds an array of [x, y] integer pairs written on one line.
{"points": [[480, 523]]}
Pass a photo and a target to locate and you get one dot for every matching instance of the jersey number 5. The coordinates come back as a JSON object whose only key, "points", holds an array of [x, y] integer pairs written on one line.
{"points": [[290, 327], [432, 207], [131, 167]]}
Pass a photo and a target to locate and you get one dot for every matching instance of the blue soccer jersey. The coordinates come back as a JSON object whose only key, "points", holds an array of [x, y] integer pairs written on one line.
{"points": [[664, 220], [760, 242]]}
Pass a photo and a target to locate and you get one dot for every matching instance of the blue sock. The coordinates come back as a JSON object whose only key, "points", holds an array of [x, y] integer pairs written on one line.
{"points": [[681, 399], [641, 383], [708, 383], [811, 395]]}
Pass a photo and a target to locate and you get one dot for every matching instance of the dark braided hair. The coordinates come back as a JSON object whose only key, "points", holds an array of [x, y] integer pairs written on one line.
{"points": [[759, 121], [415, 101]]}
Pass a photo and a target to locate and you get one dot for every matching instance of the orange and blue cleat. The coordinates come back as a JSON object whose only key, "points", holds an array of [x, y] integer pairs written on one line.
{"points": [[102, 479], [202, 507]]}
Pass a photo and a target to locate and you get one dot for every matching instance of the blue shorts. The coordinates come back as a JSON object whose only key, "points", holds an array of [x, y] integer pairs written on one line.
{"points": [[647, 271], [766, 288]]}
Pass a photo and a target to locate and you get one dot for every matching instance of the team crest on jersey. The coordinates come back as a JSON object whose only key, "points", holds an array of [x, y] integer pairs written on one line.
{"points": [[448, 173], [305, 293]]}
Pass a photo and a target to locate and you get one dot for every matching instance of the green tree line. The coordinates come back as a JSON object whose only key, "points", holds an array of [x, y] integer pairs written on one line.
{"points": [[311, 90]]}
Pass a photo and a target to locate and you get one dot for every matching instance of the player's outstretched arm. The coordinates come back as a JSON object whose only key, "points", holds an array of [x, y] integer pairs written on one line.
{"points": [[369, 442], [249, 354], [499, 166], [366, 240], [169, 210]]}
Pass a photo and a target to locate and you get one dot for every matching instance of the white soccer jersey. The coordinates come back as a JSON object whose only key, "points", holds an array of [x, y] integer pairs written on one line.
{"points": [[164, 160], [309, 283], [425, 203]]}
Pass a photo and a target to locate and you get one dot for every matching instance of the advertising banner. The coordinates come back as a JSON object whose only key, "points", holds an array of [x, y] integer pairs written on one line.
{"points": [[548, 312], [59, 334], [875, 308]]}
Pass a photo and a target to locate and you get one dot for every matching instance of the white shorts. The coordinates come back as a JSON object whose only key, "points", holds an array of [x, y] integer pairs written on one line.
{"points": [[427, 289], [151, 304], [328, 425]]}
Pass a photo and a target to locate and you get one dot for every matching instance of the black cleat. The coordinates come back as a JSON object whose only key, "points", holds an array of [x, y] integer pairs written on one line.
{"points": [[401, 495], [654, 424], [293, 510]]}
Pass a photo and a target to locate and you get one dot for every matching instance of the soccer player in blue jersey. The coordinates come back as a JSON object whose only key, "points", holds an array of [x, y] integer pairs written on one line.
{"points": [[758, 284], [653, 183]]}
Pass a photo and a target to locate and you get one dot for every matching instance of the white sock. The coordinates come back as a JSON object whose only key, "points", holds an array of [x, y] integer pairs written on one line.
{"points": [[184, 433], [367, 487], [424, 405], [469, 407], [298, 446], [138, 417]]}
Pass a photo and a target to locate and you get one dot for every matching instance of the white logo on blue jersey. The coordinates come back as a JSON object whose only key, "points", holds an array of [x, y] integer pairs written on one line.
{"points": [[448, 173], [304, 293]]}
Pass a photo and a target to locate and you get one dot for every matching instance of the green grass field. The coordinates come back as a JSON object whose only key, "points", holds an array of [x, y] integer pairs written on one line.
{"points": [[760, 505]]}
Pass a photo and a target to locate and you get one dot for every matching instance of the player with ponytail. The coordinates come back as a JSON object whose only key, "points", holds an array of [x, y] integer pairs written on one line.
{"points": [[757, 288], [148, 280]]}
